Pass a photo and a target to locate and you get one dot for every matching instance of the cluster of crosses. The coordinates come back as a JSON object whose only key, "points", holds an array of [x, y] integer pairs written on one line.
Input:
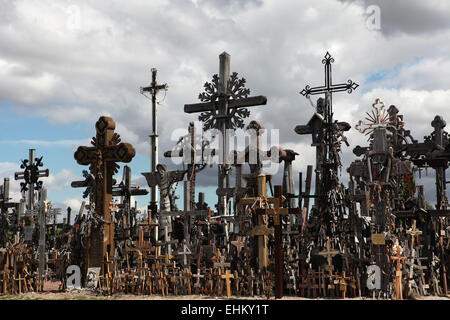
{"points": [[377, 236]]}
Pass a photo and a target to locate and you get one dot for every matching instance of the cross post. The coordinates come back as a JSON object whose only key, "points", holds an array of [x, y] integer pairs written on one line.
{"points": [[153, 89], [31, 175], [276, 211], [224, 107]]}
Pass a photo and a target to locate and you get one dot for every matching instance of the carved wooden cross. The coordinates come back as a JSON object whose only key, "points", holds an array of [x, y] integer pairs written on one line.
{"points": [[259, 202], [197, 284], [102, 158], [31, 175], [276, 211], [238, 243], [398, 272], [186, 251], [188, 275], [219, 261], [414, 233], [227, 276], [329, 254]]}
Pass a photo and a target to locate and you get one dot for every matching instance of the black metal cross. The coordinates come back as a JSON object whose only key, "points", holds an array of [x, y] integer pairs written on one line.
{"points": [[31, 175], [329, 87]]}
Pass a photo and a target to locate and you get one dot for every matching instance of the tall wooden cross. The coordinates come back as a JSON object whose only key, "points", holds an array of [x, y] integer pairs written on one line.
{"points": [[276, 211], [260, 230], [31, 175], [398, 271], [153, 89], [223, 107], [102, 157], [227, 276]]}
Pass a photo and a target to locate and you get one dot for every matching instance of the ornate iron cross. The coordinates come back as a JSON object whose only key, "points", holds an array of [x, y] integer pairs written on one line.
{"points": [[225, 100], [31, 175], [329, 87]]}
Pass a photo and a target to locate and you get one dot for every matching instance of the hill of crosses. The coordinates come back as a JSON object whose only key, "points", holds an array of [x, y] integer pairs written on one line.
{"points": [[305, 234]]}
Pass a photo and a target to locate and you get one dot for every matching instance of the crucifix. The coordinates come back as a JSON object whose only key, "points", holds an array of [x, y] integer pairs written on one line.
{"points": [[329, 254], [224, 106], [153, 89], [189, 147], [276, 211], [227, 276], [219, 261], [102, 157], [31, 175], [164, 179]]}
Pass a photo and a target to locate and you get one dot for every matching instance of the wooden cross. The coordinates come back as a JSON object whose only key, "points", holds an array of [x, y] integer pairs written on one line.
{"points": [[398, 273], [185, 252], [197, 284], [342, 281], [238, 244], [188, 275], [227, 276], [414, 233], [102, 158], [329, 254], [276, 211], [219, 261], [303, 285], [259, 201], [313, 284]]}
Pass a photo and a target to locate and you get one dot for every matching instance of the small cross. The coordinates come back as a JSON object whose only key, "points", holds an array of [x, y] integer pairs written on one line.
{"points": [[414, 233], [185, 252], [329, 254], [238, 244], [227, 276]]}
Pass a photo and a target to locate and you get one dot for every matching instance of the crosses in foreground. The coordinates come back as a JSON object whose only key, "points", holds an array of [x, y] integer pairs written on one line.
{"points": [[106, 150]]}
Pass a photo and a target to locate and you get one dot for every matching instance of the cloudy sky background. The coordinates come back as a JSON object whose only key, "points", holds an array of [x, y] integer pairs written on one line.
{"points": [[63, 64]]}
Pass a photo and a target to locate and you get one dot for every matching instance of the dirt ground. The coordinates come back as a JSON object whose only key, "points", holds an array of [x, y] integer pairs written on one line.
{"points": [[90, 295]]}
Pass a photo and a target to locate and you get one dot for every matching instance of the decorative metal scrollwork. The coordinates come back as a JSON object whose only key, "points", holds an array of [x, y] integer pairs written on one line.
{"points": [[233, 117]]}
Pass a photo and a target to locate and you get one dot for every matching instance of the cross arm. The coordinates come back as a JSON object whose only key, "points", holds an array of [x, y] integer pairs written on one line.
{"points": [[238, 103]]}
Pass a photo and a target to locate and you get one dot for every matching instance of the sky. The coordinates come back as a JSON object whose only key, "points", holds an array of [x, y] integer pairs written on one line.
{"points": [[64, 63]]}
